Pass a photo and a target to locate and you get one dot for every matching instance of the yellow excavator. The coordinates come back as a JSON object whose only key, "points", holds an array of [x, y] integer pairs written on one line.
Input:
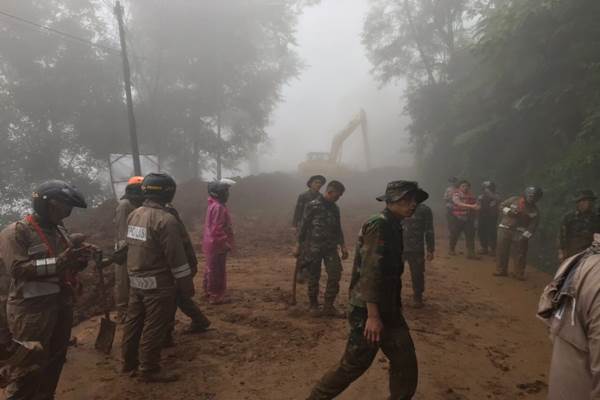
{"points": [[330, 164]]}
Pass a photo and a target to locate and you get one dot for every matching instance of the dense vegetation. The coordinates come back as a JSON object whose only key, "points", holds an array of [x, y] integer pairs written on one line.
{"points": [[503, 90]]}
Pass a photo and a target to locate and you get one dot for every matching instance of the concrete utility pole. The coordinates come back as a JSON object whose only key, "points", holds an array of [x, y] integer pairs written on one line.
{"points": [[135, 152]]}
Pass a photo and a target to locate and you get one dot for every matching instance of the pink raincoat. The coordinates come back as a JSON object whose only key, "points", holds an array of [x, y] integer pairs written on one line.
{"points": [[217, 241]]}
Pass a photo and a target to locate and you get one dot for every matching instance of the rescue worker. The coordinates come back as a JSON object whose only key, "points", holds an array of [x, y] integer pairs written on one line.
{"points": [[376, 320], [570, 306], [448, 196], [217, 241], [519, 221], [578, 226], [418, 237], [463, 212], [314, 190], [158, 269], [186, 304], [322, 238], [43, 264], [131, 200], [487, 221]]}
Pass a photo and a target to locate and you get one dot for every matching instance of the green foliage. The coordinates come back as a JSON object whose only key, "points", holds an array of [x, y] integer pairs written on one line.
{"points": [[519, 104]]}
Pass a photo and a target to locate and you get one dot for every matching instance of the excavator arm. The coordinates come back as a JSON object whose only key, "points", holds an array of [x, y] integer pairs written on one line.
{"points": [[359, 120]]}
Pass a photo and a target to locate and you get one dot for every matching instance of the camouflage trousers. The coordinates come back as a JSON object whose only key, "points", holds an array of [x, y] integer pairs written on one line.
{"points": [[333, 267], [395, 343], [149, 319], [416, 262], [508, 241], [47, 320]]}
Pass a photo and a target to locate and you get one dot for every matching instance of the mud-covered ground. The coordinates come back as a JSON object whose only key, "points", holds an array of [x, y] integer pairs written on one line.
{"points": [[477, 338]]}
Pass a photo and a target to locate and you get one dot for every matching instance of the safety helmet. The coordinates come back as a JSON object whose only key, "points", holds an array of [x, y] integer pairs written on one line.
{"points": [[159, 186], [489, 185], [133, 191], [220, 189], [59, 191], [533, 194]]}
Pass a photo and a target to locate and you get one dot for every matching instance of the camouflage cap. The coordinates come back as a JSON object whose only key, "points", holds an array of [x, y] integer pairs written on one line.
{"points": [[396, 190], [585, 194], [316, 178]]}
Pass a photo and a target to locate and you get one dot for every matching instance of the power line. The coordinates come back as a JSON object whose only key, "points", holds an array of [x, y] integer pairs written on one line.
{"points": [[63, 34]]}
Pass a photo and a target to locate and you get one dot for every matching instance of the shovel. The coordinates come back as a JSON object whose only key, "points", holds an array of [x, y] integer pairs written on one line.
{"points": [[106, 335]]}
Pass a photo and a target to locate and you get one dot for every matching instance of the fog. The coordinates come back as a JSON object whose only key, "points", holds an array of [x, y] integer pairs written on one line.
{"points": [[334, 85]]}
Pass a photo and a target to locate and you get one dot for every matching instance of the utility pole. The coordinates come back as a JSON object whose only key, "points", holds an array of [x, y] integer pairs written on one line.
{"points": [[219, 146], [135, 152]]}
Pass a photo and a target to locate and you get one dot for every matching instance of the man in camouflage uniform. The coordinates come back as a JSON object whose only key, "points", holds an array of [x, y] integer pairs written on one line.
{"points": [[158, 270], [487, 226], [418, 234], [578, 226], [131, 200], [43, 263], [314, 190], [320, 236], [186, 304], [519, 221], [376, 319]]}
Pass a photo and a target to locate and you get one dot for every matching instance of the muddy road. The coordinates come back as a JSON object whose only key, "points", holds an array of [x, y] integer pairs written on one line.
{"points": [[477, 338]]}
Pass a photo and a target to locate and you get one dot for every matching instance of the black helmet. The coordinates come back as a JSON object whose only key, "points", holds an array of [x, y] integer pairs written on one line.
{"points": [[220, 189], [158, 186], [533, 194], [59, 191], [489, 185]]}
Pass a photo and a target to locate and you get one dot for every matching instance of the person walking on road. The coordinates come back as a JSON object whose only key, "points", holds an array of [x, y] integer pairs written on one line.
{"points": [[419, 246], [217, 240], [376, 320], [519, 221]]}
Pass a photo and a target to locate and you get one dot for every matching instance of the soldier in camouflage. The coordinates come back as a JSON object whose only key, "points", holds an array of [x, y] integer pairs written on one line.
{"points": [[418, 233], [314, 191], [320, 237], [375, 318], [487, 218], [578, 226]]}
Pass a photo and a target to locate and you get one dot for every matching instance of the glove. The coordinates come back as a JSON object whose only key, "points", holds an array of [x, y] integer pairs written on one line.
{"points": [[185, 287], [527, 235], [506, 210]]}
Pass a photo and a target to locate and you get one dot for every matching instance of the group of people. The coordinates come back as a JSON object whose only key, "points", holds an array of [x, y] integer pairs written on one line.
{"points": [[155, 265], [503, 226]]}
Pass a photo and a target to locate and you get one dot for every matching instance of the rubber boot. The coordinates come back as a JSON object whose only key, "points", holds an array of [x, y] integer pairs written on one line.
{"points": [[418, 301], [158, 377], [199, 326], [330, 311]]}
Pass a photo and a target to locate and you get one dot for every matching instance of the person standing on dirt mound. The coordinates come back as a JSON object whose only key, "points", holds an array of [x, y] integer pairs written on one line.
{"points": [[376, 320], [43, 264], [487, 226], [314, 190], [570, 306], [131, 200], [578, 226], [158, 269], [320, 238], [418, 234], [464, 211], [186, 303], [217, 240], [519, 221]]}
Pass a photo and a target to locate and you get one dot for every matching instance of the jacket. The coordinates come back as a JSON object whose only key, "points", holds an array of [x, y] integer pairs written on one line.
{"points": [[156, 257], [217, 237], [418, 231], [570, 306], [519, 216], [124, 208], [303, 200]]}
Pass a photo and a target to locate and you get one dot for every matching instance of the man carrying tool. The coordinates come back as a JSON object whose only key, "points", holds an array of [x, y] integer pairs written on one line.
{"points": [[158, 269], [43, 264], [418, 234], [320, 238], [186, 303], [314, 190], [578, 226], [519, 221], [131, 200], [376, 320]]}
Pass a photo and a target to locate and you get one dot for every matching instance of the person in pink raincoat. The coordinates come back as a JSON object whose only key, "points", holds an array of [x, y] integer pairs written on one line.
{"points": [[217, 240]]}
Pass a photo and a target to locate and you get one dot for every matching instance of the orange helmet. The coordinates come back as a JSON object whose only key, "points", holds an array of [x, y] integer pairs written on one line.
{"points": [[135, 180]]}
